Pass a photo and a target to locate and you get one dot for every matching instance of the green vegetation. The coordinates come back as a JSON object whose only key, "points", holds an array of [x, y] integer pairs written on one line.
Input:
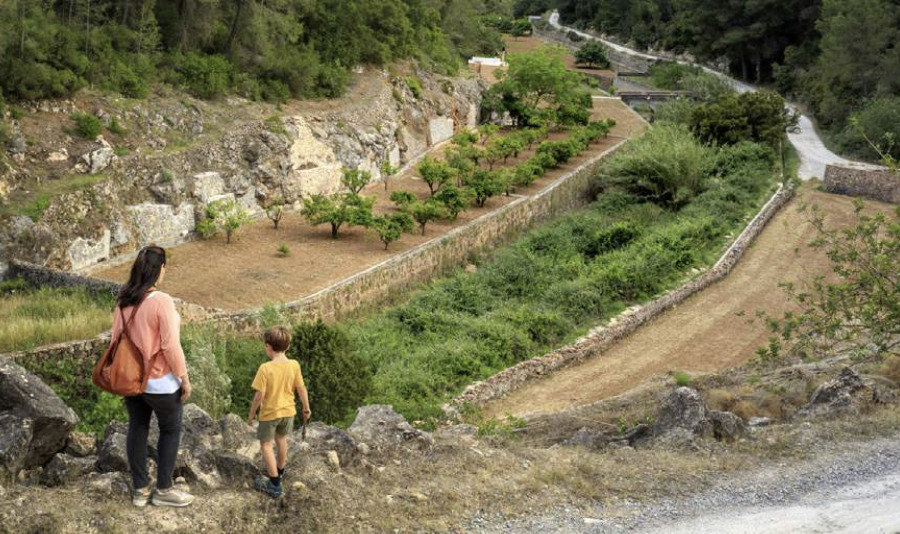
{"points": [[346, 209], [283, 250], [682, 379], [593, 53], [268, 50], [86, 125], [31, 317], [36, 198], [228, 216]]}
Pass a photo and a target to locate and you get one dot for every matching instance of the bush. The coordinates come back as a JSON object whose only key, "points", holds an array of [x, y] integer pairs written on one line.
{"points": [[756, 116], [204, 76], [337, 378], [86, 125], [415, 86], [879, 120], [212, 387], [667, 166]]}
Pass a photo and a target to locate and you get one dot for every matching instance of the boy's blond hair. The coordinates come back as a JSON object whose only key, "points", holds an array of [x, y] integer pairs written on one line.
{"points": [[279, 338]]}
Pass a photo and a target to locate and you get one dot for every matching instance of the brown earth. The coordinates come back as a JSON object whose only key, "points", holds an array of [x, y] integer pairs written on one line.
{"points": [[705, 333], [250, 273]]}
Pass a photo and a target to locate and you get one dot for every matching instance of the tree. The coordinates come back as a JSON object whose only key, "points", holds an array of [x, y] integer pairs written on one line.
{"points": [[434, 173], [338, 210], [275, 210], [460, 159], [453, 199], [492, 154], [857, 307], [484, 185], [487, 131], [387, 170], [355, 180], [521, 28], [758, 116], [229, 215], [391, 227], [403, 199], [425, 212], [593, 53]]}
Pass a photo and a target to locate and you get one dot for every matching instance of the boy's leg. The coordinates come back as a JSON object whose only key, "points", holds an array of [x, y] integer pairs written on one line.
{"points": [[268, 454], [282, 443]]}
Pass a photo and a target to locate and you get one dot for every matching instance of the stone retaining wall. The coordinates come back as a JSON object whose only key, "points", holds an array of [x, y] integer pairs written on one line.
{"points": [[600, 339], [861, 180], [400, 273]]}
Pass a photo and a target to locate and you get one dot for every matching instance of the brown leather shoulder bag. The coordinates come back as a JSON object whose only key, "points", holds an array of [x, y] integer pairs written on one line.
{"points": [[121, 369]]}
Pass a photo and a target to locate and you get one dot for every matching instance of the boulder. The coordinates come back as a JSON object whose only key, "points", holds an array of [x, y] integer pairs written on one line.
{"points": [[108, 484], [683, 408], [382, 427], [321, 437], [98, 160], [235, 468], [457, 432], [589, 438], [112, 456], [81, 444], [199, 466], [25, 396], [239, 437], [756, 422], [64, 468], [837, 393], [636, 433], [15, 438], [727, 426]]}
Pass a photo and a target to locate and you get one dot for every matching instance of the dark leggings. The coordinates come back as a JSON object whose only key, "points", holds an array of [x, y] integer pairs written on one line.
{"points": [[168, 410]]}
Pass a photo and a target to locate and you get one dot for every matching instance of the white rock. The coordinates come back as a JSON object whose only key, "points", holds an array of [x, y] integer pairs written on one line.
{"points": [[333, 460]]}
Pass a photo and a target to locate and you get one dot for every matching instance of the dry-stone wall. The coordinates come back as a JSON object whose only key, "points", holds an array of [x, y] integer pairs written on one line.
{"points": [[602, 338], [861, 180]]}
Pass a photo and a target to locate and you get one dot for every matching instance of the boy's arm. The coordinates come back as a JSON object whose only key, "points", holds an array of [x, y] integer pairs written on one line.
{"points": [[304, 399], [254, 406]]}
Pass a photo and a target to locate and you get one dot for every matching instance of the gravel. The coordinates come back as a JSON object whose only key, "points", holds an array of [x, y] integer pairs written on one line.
{"points": [[855, 488]]}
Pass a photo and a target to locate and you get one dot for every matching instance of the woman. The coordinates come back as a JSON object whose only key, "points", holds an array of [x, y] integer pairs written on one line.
{"points": [[154, 325]]}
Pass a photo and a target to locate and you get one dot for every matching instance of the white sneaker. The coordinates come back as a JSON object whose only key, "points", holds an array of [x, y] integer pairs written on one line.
{"points": [[172, 497], [141, 497]]}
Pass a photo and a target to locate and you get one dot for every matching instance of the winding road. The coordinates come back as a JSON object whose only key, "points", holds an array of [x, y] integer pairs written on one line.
{"points": [[814, 156]]}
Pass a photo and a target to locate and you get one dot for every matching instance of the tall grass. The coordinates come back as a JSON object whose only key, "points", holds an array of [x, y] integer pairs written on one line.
{"points": [[33, 317]]}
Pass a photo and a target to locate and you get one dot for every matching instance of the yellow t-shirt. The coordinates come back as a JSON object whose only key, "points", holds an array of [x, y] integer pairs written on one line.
{"points": [[277, 381]]}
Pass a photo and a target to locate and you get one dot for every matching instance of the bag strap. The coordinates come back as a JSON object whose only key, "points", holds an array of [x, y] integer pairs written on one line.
{"points": [[126, 324]]}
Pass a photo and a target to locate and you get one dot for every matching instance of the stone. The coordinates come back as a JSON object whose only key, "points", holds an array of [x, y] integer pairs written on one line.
{"points": [[108, 484], [64, 468], [25, 396], [234, 468], [756, 422], [98, 160], [682, 409], [727, 426], [60, 155], [161, 223], [196, 422], [120, 234], [382, 427], [87, 252], [440, 129], [588, 438], [15, 438], [112, 455], [457, 432], [321, 437], [206, 185], [636, 434], [238, 436], [334, 461], [363, 449], [837, 393], [81, 444], [199, 465]]}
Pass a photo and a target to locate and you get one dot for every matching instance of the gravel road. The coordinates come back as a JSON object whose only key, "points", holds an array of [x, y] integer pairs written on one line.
{"points": [[852, 489], [813, 154]]}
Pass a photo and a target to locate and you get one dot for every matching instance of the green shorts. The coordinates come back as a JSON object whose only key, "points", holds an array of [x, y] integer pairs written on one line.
{"points": [[267, 429]]}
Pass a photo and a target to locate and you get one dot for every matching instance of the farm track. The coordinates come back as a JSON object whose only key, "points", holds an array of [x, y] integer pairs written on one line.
{"points": [[705, 333]]}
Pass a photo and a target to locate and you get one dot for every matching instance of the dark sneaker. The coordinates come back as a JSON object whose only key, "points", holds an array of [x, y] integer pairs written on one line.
{"points": [[263, 484], [172, 497]]}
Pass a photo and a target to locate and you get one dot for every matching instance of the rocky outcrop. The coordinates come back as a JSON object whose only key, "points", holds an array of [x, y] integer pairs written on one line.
{"points": [[380, 426], [847, 392], [684, 415], [34, 422]]}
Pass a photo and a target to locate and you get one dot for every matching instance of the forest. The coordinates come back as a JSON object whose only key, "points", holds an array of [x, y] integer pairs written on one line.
{"points": [[841, 58], [260, 49]]}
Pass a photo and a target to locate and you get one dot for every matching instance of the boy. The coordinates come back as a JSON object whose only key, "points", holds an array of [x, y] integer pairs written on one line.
{"points": [[275, 384]]}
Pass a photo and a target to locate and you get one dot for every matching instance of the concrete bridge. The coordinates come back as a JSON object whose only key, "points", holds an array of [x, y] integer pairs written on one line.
{"points": [[651, 97]]}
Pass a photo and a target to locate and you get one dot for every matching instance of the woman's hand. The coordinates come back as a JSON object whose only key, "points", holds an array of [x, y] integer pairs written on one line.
{"points": [[186, 388]]}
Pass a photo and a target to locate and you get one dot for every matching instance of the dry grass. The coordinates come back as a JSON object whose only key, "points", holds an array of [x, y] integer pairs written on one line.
{"points": [[31, 318]]}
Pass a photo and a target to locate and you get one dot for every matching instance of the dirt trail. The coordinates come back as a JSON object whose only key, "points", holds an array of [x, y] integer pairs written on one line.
{"points": [[704, 334]]}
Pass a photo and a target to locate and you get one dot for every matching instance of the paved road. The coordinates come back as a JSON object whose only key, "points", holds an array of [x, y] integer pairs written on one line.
{"points": [[814, 156]]}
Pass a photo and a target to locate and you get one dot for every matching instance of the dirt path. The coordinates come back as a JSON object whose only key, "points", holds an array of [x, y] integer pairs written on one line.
{"points": [[702, 335]]}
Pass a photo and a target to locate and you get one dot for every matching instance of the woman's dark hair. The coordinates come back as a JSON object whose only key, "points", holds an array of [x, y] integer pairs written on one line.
{"points": [[144, 273]]}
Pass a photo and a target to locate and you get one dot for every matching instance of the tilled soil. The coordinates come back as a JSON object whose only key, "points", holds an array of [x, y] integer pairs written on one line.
{"points": [[705, 333]]}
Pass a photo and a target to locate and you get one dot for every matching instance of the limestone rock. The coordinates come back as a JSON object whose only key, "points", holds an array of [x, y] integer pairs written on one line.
{"points": [[235, 468], [588, 438], [206, 185], [382, 427], [25, 396], [81, 444], [727, 426], [321, 437], [684, 408], [238, 436], [108, 484], [15, 438], [86, 252], [64, 468], [457, 432], [98, 160], [334, 461], [161, 223], [60, 155], [112, 456], [837, 393], [756, 422]]}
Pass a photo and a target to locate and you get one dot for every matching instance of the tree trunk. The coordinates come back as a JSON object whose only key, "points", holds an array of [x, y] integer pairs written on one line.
{"points": [[234, 25], [22, 33], [125, 5], [744, 71], [334, 230], [228, 236], [423, 227]]}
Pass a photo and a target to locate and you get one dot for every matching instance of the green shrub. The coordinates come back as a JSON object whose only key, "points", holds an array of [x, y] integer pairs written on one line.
{"points": [[283, 250], [415, 85], [682, 379], [86, 125], [212, 386], [337, 378], [204, 76], [879, 120], [116, 128]]}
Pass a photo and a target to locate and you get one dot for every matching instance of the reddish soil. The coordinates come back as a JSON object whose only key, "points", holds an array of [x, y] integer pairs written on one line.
{"points": [[250, 273], [703, 334]]}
